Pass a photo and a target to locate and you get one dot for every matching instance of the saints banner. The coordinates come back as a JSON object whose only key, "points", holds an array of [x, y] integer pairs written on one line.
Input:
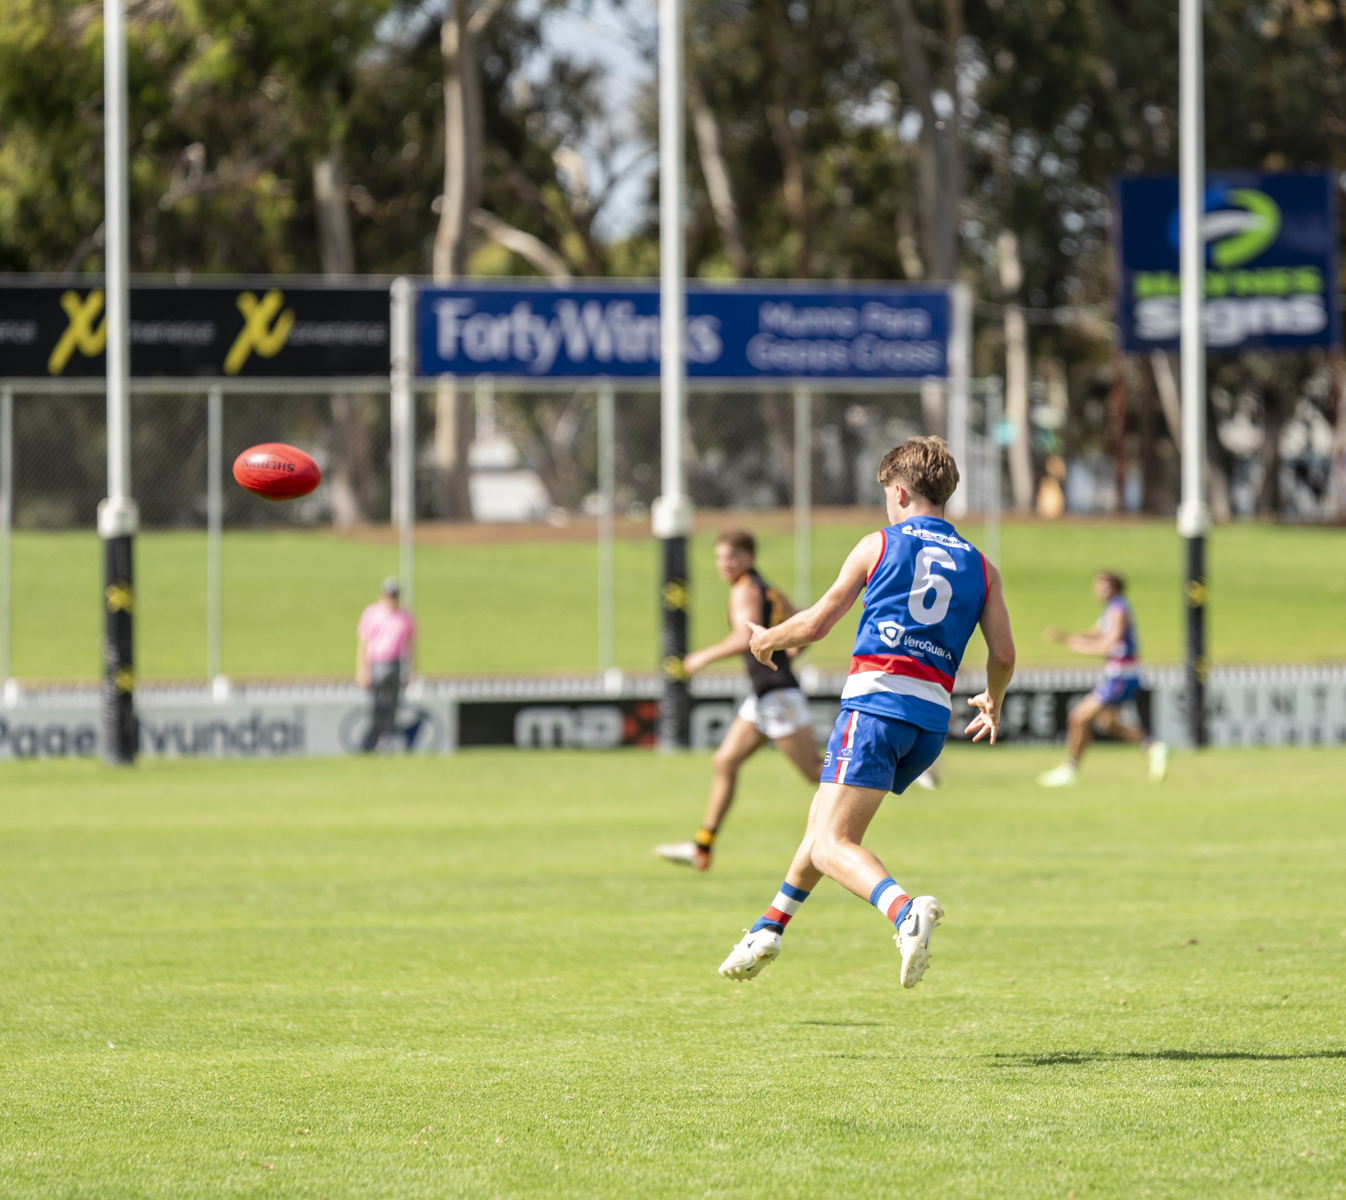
{"points": [[217, 329]]}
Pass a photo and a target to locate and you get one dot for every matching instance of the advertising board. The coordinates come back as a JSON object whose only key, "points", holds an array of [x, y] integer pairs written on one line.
{"points": [[1271, 249], [732, 332], [198, 329]]}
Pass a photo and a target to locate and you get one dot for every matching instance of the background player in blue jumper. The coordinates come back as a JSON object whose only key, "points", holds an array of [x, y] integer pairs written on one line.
{"points": [[1113, 637], [926, 589]]}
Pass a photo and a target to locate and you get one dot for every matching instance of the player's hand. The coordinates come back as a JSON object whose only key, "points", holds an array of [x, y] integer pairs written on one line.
{"points": [[755, 647], [1053, 634], [987, 719], [692, 663], [362, 677]]}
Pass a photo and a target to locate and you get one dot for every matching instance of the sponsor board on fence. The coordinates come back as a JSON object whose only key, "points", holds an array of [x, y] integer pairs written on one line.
{"points": [[249, 727], [198, 329], [1244, 708], [734, 332]]}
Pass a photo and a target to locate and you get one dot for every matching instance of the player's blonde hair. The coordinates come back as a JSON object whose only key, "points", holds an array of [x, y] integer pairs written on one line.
{"points": [[925, 465]]}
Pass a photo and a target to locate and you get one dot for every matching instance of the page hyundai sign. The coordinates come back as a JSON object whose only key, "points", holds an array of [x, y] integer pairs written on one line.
{"points": [[732, 333], [1271, 274]]}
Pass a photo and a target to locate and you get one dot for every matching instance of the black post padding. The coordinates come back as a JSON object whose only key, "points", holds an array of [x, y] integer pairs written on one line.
{"points": [[674, 725], [119, 715], [1195, 596]]}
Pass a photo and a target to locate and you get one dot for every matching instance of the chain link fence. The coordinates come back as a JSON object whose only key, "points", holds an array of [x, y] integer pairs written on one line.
{"points": [[510, 461]]}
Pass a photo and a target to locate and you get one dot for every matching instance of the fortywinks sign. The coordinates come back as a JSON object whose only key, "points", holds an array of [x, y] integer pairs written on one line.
{"points": [[1271, 274], [209, 329], [732, 333]]}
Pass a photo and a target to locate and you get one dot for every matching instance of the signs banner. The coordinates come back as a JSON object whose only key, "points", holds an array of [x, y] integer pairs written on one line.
{"points": [[201, 329], [732, 332], [1271, 273]]}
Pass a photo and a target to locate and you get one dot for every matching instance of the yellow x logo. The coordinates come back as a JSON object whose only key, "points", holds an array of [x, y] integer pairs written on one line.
{"points": [[80, 334], [677, 596], [258, 333], [118, 597]]}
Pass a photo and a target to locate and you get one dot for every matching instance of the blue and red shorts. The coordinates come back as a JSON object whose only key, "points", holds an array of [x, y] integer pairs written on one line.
{"points": [[878, 752], [1116, 690]]}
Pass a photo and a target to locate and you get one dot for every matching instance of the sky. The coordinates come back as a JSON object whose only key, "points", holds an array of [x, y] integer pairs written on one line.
{"points": [[613, 37]]}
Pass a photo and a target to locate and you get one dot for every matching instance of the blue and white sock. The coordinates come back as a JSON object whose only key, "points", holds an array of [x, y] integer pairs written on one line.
{"points": [[781, 909], [889, 898]]}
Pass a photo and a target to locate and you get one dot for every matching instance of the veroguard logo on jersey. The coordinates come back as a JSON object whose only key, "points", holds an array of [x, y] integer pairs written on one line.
{"points": [[80, 334], [265, 329], [890, 632]]}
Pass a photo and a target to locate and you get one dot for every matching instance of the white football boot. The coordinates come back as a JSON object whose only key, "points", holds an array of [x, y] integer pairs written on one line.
{"points": [[1066, 775], [932, 777], [1158, 755], [755, 951], [913, 938], [687, 854]]}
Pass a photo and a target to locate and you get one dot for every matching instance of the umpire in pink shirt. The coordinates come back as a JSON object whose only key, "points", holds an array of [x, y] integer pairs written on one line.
{"points": [[384, 647]]}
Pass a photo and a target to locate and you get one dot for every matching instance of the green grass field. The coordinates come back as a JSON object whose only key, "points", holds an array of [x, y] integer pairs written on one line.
{"points": [[291, 599], [470, 978]]}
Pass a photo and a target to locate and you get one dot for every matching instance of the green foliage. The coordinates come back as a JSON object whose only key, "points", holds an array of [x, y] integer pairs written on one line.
{"points": [[470, 978]]}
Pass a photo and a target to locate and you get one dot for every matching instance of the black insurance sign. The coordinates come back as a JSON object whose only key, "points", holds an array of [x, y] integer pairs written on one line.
{"points": [[53, 330]]}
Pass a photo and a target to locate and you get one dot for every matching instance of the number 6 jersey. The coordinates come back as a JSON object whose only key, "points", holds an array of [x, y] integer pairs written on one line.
{"points": [[923, 599]]}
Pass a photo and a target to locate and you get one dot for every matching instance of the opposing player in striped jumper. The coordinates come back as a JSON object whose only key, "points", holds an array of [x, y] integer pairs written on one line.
{"points": [[926, 589], [775, 710]]}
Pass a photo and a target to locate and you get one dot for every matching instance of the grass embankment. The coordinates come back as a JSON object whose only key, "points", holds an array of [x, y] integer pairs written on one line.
{"points": [[291, 599]]}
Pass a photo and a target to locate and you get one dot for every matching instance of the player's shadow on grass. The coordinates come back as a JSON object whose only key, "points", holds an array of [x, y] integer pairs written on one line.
{"points": [[1068, 1058]]}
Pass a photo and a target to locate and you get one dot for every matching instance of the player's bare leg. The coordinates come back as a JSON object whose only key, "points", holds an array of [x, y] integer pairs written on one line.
{"points": [[838, 820], [1079, 733], [801, 748], [741, 741], [1109, 721]]}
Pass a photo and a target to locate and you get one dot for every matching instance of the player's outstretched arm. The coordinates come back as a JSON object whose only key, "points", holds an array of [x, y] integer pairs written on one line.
{"points": [[995, 628], [745, 602], [816, 621]]}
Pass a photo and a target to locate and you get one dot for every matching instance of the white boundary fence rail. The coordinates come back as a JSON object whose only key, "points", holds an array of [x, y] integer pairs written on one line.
{"points": [[1246, 706]]}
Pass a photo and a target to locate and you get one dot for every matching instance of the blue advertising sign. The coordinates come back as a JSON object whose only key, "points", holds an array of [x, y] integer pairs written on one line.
{"points": [[1271, 270], [732, 332]]}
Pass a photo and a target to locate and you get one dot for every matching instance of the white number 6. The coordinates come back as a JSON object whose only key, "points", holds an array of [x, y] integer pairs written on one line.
{"points": [[931, 593]]}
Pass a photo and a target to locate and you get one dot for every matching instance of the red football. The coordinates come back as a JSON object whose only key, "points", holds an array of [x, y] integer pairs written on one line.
{"points": [[276, 471]]}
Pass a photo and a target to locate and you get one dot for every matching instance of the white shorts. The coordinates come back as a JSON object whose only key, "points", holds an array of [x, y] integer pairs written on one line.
{"points": [[777, 714]]}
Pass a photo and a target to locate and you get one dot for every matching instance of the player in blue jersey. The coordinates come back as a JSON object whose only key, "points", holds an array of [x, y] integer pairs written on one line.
{"points": [[926, 589], [1113, 637]]}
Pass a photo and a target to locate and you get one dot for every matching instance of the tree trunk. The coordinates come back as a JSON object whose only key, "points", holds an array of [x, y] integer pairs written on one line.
{"points": [[1273, 419], [940, 160], [462, 142], [778, 120], [463, 138], [716, 174], [1151, 480], [351, 471]]}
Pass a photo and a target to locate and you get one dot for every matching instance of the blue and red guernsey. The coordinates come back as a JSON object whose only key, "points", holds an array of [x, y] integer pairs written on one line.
{"points": [[1123, 660], [923, 600]]}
